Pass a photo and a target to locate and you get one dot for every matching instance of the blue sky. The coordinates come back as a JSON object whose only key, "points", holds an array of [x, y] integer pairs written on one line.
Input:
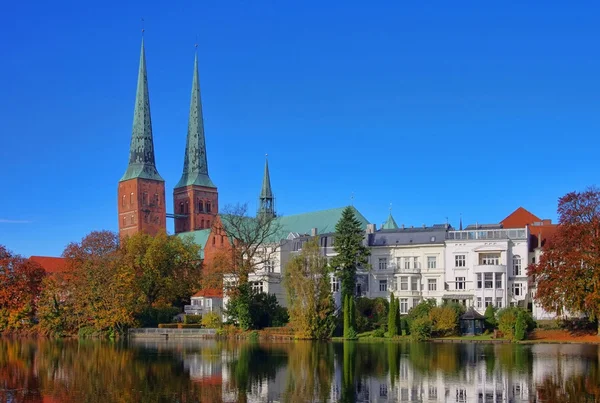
{"points": [[440, 108]]}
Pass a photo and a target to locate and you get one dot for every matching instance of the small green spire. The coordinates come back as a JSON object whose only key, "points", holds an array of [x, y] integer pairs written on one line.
{"points": [[390, 223], [141, 151], [195, 165], [266, 200]]}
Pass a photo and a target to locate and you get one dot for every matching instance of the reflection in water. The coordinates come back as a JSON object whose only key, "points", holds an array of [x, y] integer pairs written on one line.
{"points": [[213, 371]]}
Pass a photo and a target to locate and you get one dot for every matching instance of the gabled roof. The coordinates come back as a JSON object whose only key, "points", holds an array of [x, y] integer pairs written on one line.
{"points": [[324, 221], [51, 265], [519, 219], [200, 237]]}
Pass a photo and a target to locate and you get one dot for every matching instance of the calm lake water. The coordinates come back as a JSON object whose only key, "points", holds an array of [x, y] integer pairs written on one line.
{"points": [[212, 371]]}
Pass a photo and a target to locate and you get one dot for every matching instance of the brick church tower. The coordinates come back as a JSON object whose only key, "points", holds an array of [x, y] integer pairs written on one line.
{"points": [[141, 191], [195, 197]]}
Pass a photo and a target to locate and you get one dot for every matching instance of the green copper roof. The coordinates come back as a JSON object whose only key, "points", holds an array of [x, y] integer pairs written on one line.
{"points": [[195, 166], [141, 151], [390, 223], [200, 237], [266, 192]]}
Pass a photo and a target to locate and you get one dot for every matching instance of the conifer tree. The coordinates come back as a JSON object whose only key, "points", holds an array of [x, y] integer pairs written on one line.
{"points": [[351, 252], [392, 325], [346, 317], [398, 320]]}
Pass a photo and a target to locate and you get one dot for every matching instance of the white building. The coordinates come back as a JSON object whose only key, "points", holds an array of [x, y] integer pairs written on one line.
{"points": [[486, 266]]}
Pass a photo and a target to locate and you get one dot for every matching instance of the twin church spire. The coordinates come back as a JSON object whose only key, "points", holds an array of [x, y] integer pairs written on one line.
{"points": [[141, 193]]}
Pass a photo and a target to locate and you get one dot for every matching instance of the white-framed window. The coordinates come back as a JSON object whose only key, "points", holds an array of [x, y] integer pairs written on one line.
{"points": [[431, 262], [498, 302], [335, 284], [382, 263], [257, 286], [416, 302], [460, 283], [382, 285], [499, 280], [460, 261], [489, 259], [403, 283], [479, 285], [269, 264], [414, 283], [517, 289], [432, 284], [517, 267], [416, 264], [403, 305], [488, 280], [478, 302], [407, 263], [488, 301]]}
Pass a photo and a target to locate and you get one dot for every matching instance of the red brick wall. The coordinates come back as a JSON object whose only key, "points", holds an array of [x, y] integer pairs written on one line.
{"points": [[189, 198], [141, 206]]}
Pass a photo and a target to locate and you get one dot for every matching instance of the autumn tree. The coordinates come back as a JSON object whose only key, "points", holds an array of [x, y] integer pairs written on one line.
{"points": [[310, 302], [20, 287], [352, 253], [166, 268], [567, 276], [254, 241], [101, 290]]}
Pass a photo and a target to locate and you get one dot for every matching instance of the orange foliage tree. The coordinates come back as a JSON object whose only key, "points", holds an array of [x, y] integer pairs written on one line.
{"points": [[20, 286], [567, 275]]}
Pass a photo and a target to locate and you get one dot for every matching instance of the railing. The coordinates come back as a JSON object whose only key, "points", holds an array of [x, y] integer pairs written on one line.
{"points": [[171, 333], [197, 308], [487, 234]]}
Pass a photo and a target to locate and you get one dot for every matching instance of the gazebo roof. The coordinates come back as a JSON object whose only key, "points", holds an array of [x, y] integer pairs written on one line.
{"points": [[472, 314]]}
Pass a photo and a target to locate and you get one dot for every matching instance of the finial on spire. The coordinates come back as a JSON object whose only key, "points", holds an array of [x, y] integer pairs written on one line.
{"points": [[143, 27], [390, 208], [196, 44]]}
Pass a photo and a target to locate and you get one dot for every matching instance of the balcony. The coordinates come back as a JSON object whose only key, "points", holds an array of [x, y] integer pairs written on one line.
{"points": [[408, 269], [489, 268], [197, 309], [494, 234]]}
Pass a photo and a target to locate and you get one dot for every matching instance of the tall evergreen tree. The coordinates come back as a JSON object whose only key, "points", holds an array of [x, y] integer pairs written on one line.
{"points": [[398, 319], [392, 325], [351, 252], [346, 317]]}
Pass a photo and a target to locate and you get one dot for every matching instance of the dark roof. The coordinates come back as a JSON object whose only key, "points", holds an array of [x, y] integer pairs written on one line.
{"points": [[472, 314], [408, 236]]}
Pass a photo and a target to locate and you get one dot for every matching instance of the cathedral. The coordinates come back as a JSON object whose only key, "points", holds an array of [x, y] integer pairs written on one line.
{"points": [[141, 192]]}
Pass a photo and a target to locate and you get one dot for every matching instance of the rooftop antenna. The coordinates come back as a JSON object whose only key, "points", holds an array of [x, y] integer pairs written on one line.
{"points": [[461, 228]]}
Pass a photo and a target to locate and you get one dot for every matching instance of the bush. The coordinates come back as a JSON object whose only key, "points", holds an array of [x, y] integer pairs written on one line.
{"points": [[404, 326], [190, 326], [211, 320], [152, 316], [444, 321], [378, 332], [507, 321], [255, 310], [371, 313], [520, 326], [420, 329], [167, 325], [192, 319]]}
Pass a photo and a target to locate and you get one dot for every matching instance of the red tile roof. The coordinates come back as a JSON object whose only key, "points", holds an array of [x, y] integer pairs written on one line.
{"points": [[519, 219], [52, 265], [538, 229], [209, 293]]}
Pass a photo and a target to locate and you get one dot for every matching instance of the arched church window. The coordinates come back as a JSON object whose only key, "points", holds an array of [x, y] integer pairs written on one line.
{"points": [[208, 207], [200, 206], [181, 208]]}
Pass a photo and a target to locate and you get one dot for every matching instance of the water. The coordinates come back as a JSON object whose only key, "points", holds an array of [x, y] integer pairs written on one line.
{"points": [[212, 371]]}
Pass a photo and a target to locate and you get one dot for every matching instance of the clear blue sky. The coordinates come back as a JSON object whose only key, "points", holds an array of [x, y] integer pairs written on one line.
{"points": [[440, 108]]}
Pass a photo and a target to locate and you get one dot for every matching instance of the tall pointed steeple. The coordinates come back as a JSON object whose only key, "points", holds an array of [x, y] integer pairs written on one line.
{"points": [[141, 151], [195, 165], [266, 201]]}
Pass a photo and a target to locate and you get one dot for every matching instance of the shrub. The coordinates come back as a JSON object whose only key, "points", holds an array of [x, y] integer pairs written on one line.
{"points": [[420, 329], [404, 326], [167, 325], [371, 313], [190, 326], [378, 332], [507, 321], [520, 326], [211, 320], [192, 319], [444, 321]]}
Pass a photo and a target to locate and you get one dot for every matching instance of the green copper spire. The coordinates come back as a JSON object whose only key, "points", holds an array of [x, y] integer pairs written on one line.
{"points": [[141, 150], [195, 166], [266, 201], [390, 223]]}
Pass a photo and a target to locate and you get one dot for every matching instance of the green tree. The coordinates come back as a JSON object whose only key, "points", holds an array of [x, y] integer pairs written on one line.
{"points": [[420, 328], [392, 324], [349, 319], [311, 305], [351, 252], [444, 320], [490, 317], [254, 310], [520, 326]]}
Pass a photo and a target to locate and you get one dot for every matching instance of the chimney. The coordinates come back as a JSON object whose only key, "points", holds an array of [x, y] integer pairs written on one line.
{"points": [[371, 228], [313, 232]]}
